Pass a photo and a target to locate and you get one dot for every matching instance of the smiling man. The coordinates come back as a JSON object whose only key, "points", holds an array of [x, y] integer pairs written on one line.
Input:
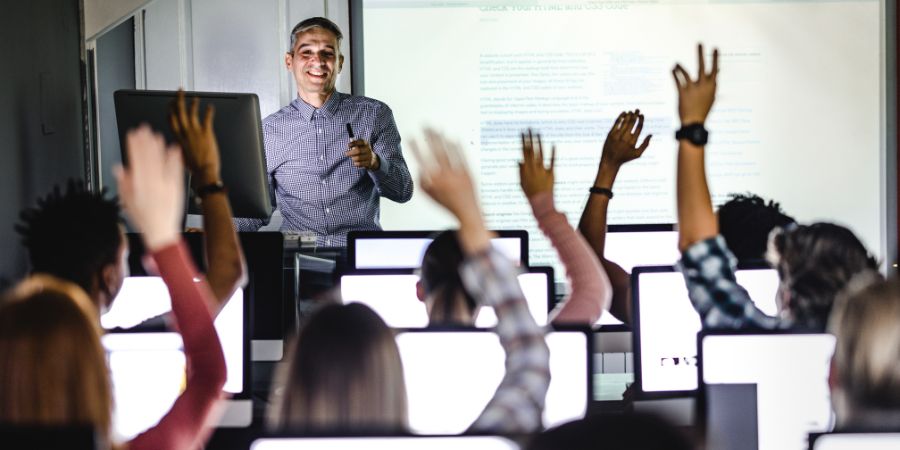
{"points": [[330, 156]]}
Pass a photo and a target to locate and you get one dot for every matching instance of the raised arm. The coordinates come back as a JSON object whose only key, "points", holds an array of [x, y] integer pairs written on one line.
{"points": [[696, 219], [153, 195], [226, 268], [619, 148], [706, 263], [590, 292], [518, 402]]}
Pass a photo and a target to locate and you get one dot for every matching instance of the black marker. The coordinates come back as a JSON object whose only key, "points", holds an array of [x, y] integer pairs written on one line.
{"points": [[350, 131]]}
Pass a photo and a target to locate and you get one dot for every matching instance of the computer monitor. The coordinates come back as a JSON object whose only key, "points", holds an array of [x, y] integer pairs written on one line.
{"points": [[666, 325], [392, 294], [386, 443], [238, 130], [855, 441], [147, 368], [451, 375], [405, 249], [642, 245], [790, 372]]}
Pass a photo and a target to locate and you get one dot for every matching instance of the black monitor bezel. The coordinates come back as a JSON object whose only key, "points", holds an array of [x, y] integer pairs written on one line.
{"points": [[248, 199]]}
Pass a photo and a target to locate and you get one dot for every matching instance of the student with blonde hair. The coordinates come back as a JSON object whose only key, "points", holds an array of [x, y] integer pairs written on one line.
{"points": [[865, 369], [49, 338]]}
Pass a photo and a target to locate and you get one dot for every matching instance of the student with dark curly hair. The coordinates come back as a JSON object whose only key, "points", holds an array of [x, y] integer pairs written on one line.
{"points": [[77, 235], [815, 262]]}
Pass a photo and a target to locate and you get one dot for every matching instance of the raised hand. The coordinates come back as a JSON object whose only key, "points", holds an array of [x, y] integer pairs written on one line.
{"points": [[151, 188], [533, 176], [201, 150], [695, 98], [362, 155], [621, 141], [444, 176]]}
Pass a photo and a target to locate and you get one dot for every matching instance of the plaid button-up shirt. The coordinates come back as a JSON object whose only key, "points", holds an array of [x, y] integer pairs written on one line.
{"points": [[315, 185]]}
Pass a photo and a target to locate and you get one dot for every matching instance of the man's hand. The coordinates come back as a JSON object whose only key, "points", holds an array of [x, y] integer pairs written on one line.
{"points": [[533, 176], [362, 155], [621, 142], [201, 151], [695, 98], [151, 188]]}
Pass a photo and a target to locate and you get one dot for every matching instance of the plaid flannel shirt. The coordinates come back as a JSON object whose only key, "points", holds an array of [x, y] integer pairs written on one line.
{"points": [[708, 268], [518, 402]]}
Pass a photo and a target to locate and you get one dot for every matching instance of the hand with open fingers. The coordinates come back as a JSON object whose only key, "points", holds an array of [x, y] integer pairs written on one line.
{"points": [[197, 139], [621, 142], [533, 175], [695, 97], [151, 188], [444, 176], [362, 155]]}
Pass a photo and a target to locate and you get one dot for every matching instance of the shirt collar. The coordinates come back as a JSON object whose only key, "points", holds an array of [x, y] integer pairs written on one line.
{"points": [[329, 109]]}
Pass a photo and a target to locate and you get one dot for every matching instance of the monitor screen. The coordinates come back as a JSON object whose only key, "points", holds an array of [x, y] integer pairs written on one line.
{"points": [[667, 324], [393, 297], [857, 441], [402, 250], [452, 375], [147, 369], [790, 372], [629, 248], [386, 443], [238, 131]]}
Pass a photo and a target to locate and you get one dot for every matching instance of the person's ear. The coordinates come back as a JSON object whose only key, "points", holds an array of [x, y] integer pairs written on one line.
{"points": [[340, 63], [288, 60], [420, 291]]}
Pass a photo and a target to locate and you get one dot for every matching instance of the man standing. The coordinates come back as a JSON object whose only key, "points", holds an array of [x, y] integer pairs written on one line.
{"points": [[330, 156]]}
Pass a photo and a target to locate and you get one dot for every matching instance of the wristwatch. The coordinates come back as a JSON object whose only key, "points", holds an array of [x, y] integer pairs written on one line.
{"points": [[695, 133]]}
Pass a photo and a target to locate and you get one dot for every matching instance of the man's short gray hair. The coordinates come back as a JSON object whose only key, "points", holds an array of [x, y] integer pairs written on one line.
{"points": [[315, 22]]}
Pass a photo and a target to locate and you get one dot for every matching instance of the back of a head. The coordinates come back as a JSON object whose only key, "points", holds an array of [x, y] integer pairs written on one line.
{"points": [[72, 235], [613, 432], [52, 365], [815, 262], [866, 322], [440, 277], [745, 222], [343, 374]]}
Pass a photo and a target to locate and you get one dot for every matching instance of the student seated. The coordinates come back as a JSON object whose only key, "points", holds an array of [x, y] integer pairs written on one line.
{"points": [[630, 431], [745, 220], [52, 365], [865, 368], [77, 235], [814, 262], [449, 302], [346, 356]]}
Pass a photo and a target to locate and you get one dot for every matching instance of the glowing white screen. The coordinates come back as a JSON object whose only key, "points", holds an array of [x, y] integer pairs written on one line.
{"points": [[407, 253], [858, 441], [791, 377], [570, 80], [451, 376], [145, 365], [394, 298], [387, 443], [642, 248], [669, 325]]}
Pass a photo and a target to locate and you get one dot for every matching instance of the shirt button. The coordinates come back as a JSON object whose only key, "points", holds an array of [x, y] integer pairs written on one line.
{"points": [[321, 158], [320, 130], [324, 182], [327, 210]]}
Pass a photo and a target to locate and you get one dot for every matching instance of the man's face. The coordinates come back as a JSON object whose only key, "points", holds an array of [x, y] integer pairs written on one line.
{"points": [[315, 62], [116, 274]]}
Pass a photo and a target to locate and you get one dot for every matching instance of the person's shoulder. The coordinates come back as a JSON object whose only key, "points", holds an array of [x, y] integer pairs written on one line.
{"points": [[279, 117], [359, 100]]}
